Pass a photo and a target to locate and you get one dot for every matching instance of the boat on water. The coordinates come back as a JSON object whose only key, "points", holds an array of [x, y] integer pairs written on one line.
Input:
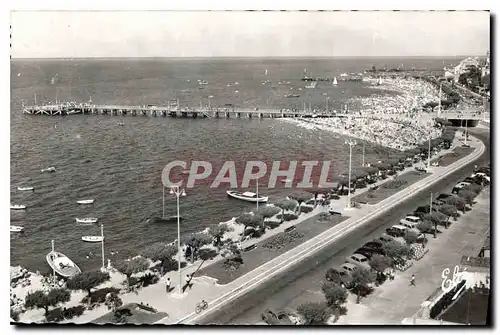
{"points": [[86, 220], [334, 83], [16, 229], [379, 81], [312, 85], [62, 265], [92, 239], [85, 202], [17, 207], [27, 188], [49, 169], [165, 219], [292, 96], [247, 196]]}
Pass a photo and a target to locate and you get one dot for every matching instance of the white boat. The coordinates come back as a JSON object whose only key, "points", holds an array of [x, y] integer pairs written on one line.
{"points": [[312, 84], [334, 81], [62, 265], [49, 169], [16, 229], [86, 220], [17, 207], [85, 202], [247, 196], [93, 238], [379, 81], [27, 188]]}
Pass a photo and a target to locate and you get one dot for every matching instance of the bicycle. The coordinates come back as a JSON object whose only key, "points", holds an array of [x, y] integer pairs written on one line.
{"points": [[201, 306]]}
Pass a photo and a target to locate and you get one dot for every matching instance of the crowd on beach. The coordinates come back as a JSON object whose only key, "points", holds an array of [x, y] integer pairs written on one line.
{"points": [[393, 121]]}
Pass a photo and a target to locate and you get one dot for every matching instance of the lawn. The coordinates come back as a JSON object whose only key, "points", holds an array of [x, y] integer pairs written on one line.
{"points": [[140, 315], [383, 193], [261, 255], [474, 313], [458, 153]]}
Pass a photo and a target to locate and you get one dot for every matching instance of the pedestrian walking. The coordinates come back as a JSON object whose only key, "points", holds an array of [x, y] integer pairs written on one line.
{"points": [[167, 285], [412, 281]]}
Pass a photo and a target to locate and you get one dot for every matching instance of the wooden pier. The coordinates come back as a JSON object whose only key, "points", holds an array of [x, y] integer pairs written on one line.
{"points": [[202, 112]]}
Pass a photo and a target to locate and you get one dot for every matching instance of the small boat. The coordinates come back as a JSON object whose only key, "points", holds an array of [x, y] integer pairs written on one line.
{"points": [[379, 81], [312, 85], [27, 188], [62, 265], [334, 81], [172, 218], [121, 123], [247, 196], [85, 202], [292, 96], [49, 169], [17, 207], [86, 220], [92, 238], [16, 229]]}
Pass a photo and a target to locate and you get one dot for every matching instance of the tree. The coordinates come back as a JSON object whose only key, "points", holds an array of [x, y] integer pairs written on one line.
{"points": [[218, 232], [267, 211], [113, 301], [458, 202], [86, 281], [411, 237], [449, 211], [135, 265], [196, 241], [435, 218], [333, 275], [159, 251], [379, 263], [249, 220], [314, 313], [335, 295], [14, 315], [468, 196], [121, 315], [397, 251], [361, 278], [40, 299], [425, 226], [286, 204]]}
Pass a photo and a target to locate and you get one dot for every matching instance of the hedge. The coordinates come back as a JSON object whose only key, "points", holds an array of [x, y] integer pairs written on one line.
{"points": [[445, 301]]}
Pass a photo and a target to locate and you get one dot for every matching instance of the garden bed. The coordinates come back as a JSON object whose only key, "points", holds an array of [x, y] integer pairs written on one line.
{"points": [[139, 315], [384, 191], [452, 157], [261, 255]]}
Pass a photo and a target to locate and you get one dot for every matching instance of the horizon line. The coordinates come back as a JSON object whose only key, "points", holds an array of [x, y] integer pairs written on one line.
{"points": [[240, 57]]}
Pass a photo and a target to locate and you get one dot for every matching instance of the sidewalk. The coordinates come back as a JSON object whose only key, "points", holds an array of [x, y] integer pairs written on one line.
{"points": [[395, 300]]}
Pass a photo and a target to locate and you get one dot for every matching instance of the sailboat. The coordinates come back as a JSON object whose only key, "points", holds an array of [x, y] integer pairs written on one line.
{"points": [[379, 82], [265, 73], [163, 218], [334, 81]]}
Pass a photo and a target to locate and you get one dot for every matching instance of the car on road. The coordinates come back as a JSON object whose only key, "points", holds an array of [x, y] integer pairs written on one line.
{"points": [[459, 187], [410, 222], [358, 260]]}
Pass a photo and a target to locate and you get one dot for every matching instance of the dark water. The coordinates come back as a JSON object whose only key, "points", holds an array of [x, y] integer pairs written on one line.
{"points": [[120, 166]]}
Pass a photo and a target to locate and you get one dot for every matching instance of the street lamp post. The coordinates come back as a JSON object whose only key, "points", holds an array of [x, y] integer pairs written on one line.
{"points": [[178, 193], [351, 144]]}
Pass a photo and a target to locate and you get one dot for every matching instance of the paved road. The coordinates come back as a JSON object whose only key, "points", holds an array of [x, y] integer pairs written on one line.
{"points": [[302, 282]]}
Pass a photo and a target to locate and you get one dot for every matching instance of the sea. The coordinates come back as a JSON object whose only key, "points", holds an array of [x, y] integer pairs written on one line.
{"points": [[118, 160]]}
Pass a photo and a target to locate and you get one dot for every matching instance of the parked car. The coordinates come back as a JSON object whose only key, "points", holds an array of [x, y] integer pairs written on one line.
{"points": [[271, 318], [348, 267], [410, 222], [358, 260], [384, 238], [459, 187], [367, 252], [396, 231], [468, 180], [375, 245], [344, 276]]}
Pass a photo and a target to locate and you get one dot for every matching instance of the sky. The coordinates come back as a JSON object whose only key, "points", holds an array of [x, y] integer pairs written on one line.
{"points": [[72, 34]]}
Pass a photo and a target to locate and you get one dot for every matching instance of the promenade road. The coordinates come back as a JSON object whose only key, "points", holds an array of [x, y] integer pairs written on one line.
{"points": [[300, 283]]}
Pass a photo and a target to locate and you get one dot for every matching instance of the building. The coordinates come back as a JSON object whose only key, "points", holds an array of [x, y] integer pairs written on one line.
{"points": [[462, 67]]}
